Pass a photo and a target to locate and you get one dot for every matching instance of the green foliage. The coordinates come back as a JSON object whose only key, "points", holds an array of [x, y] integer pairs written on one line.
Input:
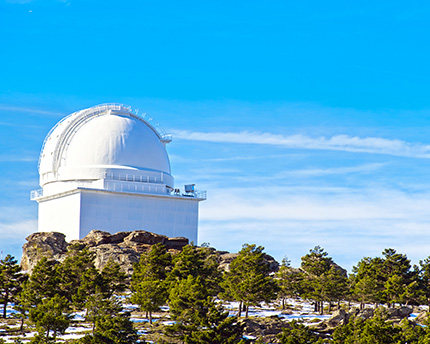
{"points": [[323, 280], [196, 262], [248, 279], [390, 279], [52, 314], [11, 281], [378, 330], [198, 318], [110, 323], [290, 281], [77, 262], [43, 283], [297, 333], [148, 283]]}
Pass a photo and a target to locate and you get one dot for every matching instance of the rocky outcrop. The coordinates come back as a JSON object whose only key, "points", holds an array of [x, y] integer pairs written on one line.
{"points": [[341, 317], [225, 258], [51, 245], [124, 248]]}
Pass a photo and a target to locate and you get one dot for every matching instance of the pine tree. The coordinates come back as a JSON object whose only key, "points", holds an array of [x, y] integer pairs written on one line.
{"points": [[324, 280], [43, 283], [289, 281], [51, 314], [247, 280], [77, 262], [148, 283], [11, 281], [196, 262], [114, 280], [198, 318], [298, 333], [111, 325]]}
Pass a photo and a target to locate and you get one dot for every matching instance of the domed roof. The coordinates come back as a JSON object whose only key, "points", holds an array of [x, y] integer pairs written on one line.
{"points": [[109, 138]]}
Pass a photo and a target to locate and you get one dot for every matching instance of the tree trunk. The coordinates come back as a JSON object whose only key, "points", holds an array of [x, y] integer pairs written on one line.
{"points": [[21, 328], [329, 307], [240, 310], [150, 317], [246, 312], [322, 307], [316, 306], [6, 299], [283, 303]]}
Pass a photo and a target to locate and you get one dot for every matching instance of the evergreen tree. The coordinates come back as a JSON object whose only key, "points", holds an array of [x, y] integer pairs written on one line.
{"points": [[148, 283], [76, 264], [289, 281], [111, 325], [324, 280], [297, 333], [51, 314], [377, 330], [114, 280], [198, 318], [368, 283], [390, 279], [196, 262], [248, 280], [424, 279], [43, 283], [11, 281]]}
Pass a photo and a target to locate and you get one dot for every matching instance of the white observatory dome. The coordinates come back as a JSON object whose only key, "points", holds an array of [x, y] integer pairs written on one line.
{"points": [[105, 142]]}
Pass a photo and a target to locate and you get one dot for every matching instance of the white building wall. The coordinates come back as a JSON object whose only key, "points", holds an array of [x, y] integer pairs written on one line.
{"points": [[61, 214], [114, 212]]}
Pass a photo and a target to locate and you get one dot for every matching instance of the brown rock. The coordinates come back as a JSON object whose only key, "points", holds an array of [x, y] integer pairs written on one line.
{"points": [[51, 245], [124, 248], [339, 317], [143, 237]]}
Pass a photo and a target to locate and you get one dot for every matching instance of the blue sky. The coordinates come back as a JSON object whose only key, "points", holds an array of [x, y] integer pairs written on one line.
{"points": [[306, 122]]}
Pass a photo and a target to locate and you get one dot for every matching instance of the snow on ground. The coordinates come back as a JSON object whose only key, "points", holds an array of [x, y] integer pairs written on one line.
{"points": [[295, 310]]}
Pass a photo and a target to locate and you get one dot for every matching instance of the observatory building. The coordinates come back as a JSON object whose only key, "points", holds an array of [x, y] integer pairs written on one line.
{"points": [[107, 168]]}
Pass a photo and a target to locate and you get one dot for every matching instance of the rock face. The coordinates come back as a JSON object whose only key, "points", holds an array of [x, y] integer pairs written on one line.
{"points": [[50, 244], [225, 258], [341, 317], [124, 248]]}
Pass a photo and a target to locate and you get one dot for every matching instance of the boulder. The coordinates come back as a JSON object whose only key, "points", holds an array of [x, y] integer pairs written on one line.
{"points": [[143, 237], [225, 258], [52, 245], [124, 248], [399, 313], [339, 317], [365, 313]]}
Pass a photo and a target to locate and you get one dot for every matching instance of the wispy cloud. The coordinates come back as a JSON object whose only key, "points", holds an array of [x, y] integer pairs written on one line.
{"points": [[11, 158], [27, 110], [374, 145], [350, 223], [316, 172], [18, 230]]}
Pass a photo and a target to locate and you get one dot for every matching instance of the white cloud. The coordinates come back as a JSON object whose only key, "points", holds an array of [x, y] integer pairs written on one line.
{"points": [[374, 145], [349, 223], [10, 158], [18, 230], [314, 172], [27, 110]]}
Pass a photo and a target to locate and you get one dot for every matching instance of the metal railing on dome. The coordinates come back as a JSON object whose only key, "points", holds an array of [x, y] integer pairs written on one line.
{"points": [[125, 177], [36, 194], [150, 121]]}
